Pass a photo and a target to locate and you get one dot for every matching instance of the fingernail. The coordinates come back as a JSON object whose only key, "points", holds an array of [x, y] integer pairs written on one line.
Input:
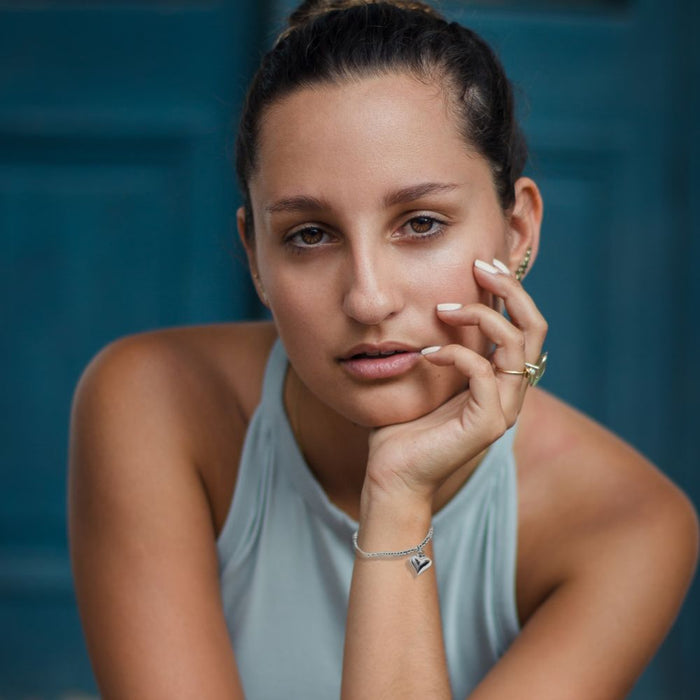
{"points": [[448, 307], [431, 349], [486, 267], [503, 268]]}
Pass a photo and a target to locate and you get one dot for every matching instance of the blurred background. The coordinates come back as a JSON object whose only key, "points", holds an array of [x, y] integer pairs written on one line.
{"points": [[117, 204]]}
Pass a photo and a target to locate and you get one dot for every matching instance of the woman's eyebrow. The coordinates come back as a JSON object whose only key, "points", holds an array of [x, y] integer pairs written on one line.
{"points": [[405, 194], [409, 194], [298, 203]]}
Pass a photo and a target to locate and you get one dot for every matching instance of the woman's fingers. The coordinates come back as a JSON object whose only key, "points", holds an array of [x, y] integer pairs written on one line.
{"points": [[434, 445], [517, 340], [477, 369], [509, 353], [509, 340], [522, 310]]}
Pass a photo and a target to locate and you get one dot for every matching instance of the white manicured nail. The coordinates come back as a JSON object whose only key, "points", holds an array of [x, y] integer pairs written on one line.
{"points": [[503, 268], [486, 267], [449, 307], [431, 349]]}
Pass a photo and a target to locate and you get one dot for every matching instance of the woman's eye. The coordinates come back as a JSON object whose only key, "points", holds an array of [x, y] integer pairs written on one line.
{"points": [[421, 224], [423, 227], [307, 237]]}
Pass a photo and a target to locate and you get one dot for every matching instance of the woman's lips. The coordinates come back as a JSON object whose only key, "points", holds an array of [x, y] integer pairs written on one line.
{"points": [[375, 364]]}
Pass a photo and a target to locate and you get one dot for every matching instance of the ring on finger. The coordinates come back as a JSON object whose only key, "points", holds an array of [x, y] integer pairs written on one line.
{"points": [[533, 372]]}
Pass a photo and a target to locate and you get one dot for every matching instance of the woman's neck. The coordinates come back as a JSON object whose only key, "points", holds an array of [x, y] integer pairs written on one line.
{"points": [[334, 448]]}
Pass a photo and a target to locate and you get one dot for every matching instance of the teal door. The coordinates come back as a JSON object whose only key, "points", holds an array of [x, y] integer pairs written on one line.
{"points": [[117, 207]]}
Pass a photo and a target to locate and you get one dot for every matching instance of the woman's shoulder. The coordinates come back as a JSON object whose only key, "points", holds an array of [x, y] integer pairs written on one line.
{"points": [[562, 449], [589, 502], [186, 394], [197, 363]]}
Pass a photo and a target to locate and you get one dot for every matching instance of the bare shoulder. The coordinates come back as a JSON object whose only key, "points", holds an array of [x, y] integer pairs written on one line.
{"points": [[563, 453], [187, 391], [157, 426], [232, 355], [591, 505]]}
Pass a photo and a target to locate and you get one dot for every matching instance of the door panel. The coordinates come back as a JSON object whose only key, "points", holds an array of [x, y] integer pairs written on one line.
{"points": [[117, 209]]}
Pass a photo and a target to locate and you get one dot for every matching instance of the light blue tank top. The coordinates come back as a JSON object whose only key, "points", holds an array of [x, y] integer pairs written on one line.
{"points": [[286, 560]]}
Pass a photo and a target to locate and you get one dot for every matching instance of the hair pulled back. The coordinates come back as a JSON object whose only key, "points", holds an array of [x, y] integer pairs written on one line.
{"points": [[329, 41]]}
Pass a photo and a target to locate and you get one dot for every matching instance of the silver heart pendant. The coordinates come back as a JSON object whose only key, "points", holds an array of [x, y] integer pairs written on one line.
{"points": [[420, 563]]}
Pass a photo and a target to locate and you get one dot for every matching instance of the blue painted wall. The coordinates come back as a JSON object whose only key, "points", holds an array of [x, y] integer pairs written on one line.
{"points": [[117, 214]]}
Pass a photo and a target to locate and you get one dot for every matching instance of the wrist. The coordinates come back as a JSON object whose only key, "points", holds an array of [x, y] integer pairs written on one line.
{"points": [[388, 487], [392, 521]]}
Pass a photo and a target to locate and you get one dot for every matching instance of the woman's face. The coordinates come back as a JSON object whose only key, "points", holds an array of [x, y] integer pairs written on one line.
{"points": [[370, 210]]}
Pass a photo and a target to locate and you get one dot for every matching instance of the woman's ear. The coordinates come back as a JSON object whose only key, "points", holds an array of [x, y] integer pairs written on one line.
{"points": [[524, 223], [249, 246]]}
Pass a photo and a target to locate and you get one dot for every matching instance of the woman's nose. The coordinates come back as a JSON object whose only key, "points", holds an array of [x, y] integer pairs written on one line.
{"points": [[372, 292]]}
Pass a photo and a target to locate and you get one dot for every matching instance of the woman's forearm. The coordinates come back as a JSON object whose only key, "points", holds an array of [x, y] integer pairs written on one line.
{"points": [[393, 641]]}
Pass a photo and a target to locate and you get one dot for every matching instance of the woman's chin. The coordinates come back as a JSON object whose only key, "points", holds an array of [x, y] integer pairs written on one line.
{"points": [[374, 416]]}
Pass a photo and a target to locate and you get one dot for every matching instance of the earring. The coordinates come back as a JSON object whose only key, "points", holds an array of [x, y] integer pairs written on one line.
{"points": [[520, 272]]}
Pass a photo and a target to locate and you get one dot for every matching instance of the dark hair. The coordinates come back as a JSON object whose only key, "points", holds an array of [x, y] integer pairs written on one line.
{"points": [[328, 41]]}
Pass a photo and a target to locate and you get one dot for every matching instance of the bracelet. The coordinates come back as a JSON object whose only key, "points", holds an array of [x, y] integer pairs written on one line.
{"points": [[419, 561]]}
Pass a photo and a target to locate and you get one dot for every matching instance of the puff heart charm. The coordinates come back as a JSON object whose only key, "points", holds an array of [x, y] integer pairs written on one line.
{"points": [[420, 563]]}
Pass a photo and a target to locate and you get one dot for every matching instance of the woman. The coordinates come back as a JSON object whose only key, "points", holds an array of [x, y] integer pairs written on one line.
{"points": [[217, 489]]}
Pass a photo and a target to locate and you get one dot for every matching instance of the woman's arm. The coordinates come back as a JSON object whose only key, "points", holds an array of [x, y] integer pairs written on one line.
{"points": [[613, 547], [623, 573], [393, 645], [141, 532], [606, 550]]}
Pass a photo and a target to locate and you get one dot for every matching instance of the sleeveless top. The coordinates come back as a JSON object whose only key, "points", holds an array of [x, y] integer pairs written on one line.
{"points": [[286, 559]]}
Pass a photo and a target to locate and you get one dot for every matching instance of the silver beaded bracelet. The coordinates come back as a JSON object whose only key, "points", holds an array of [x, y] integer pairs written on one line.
{"points": [[419, 561]]}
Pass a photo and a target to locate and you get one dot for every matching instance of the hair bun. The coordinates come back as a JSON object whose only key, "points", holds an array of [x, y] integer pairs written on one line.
{"points": [[310, 9]]}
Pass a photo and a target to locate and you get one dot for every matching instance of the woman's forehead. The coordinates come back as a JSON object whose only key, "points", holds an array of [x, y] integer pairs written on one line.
{"points": [[359, 130]]}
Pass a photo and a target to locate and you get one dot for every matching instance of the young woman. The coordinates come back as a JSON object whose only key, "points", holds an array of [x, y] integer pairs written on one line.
{"points": [[504, 546]]}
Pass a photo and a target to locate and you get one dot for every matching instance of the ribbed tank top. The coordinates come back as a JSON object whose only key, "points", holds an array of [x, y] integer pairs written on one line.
{"points": [[286, 559]]}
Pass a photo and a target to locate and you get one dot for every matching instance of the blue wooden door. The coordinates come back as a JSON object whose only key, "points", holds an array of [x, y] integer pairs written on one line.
{"points": [[117, 207]]}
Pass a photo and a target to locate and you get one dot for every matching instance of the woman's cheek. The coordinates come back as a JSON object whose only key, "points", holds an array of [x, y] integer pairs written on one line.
{"points": [[448, 277], [455, 283]]}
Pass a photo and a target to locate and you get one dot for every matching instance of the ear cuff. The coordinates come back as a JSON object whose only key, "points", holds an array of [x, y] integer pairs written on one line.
{"points": [[522, 268]]}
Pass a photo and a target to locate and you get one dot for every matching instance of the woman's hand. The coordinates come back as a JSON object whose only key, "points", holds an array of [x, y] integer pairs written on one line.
{"points": [[415, 458]]}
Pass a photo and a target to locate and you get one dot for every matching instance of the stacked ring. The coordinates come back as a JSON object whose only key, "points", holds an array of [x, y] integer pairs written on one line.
{"points": [[532, 371]]}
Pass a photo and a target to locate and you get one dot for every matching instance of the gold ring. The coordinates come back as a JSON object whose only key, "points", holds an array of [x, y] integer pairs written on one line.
{"points": [[533, 371]]}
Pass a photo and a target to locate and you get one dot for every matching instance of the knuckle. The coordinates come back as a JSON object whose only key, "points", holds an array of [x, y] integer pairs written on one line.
{"points": [[538, 330], [541, 325], [511, 283]]}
